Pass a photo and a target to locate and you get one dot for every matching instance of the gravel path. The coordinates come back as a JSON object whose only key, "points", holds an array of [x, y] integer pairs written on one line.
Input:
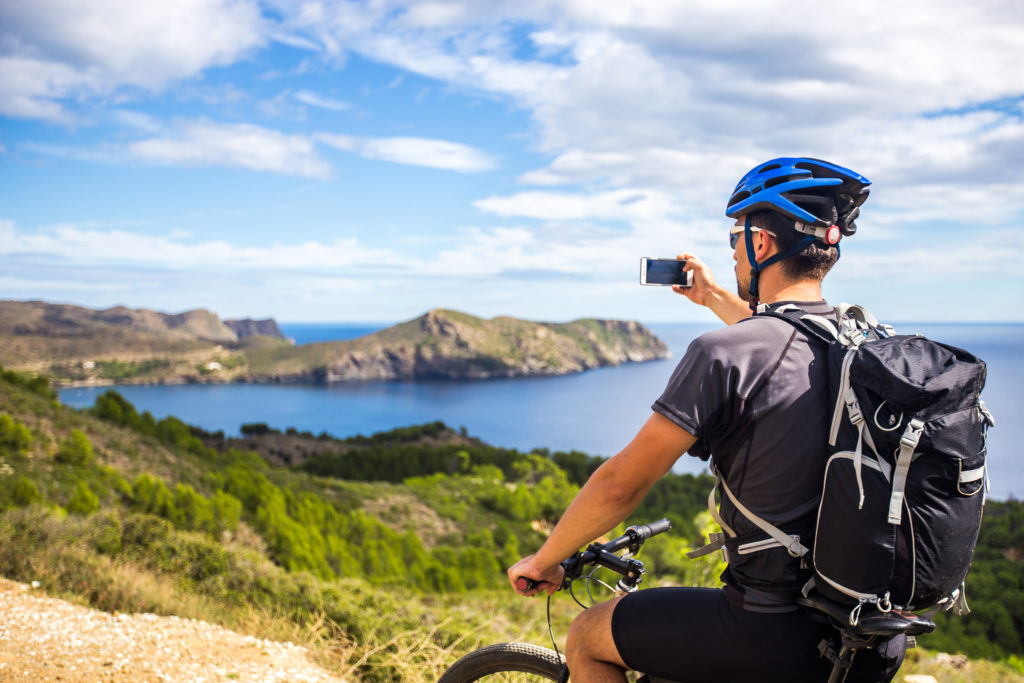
{"points": [[45, 639]]}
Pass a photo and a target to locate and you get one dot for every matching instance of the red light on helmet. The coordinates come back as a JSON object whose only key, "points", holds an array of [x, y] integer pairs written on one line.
{"points": [[833, 235]]}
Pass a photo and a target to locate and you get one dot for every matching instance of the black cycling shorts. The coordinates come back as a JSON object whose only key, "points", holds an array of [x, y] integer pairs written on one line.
{"points": [[694, 634]]}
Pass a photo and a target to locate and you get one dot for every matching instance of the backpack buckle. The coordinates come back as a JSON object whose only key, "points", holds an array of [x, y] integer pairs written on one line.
{"points": [[912, 435], [989, 420]]}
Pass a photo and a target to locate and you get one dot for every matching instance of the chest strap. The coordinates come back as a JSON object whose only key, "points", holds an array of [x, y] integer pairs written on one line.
{"points": [[716, 541]]}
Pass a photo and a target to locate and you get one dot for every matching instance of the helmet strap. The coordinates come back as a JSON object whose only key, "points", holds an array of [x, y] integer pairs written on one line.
{"points": [[756, 268]]}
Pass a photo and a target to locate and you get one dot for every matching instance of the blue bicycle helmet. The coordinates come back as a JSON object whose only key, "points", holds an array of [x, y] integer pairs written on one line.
{"points": [[813, 192], [822, 199]]}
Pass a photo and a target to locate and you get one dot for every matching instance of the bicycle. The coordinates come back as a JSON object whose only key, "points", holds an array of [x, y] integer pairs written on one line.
{"points": [[533, 662]]}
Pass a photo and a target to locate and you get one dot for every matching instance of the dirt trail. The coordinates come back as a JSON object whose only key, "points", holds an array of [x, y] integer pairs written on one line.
{"points": [[46, 639]]}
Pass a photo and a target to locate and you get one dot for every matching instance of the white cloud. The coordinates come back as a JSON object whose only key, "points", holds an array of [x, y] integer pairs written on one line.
{"points": [[53, 50], [237, 145], [88, 244], [571, 248], [439, 154], [345, 143], [970, 256], [660, 94], [29, 88], [315, 100], [624, 205]]}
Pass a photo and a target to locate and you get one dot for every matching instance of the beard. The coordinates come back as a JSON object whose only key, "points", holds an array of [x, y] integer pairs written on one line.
{"points": [[743, 288]]}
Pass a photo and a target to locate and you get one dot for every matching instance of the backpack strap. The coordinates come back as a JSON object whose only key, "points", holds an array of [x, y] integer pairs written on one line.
{"points": [[814, 326], [856, 320], [908, 443], [849, 326], [716, 541], [790, 542]]}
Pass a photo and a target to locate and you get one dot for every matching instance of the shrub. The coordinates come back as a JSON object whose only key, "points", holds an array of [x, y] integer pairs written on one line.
{"points": [[14, 436], [142, 532], [150, 494], [34, 383], [83, 501], [76, 450], [192, 510], [105, 533], [255, 429], [227, 511], [25, 493]]}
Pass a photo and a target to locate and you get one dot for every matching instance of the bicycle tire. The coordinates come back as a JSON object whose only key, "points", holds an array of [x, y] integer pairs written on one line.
{"points": [[505, 658]]}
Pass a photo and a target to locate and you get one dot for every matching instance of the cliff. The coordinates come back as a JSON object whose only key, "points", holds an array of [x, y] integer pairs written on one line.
{"points": [[250, 328]]}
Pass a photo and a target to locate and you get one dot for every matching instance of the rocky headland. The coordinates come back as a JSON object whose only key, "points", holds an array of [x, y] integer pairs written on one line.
{"points": [[76, 345]]}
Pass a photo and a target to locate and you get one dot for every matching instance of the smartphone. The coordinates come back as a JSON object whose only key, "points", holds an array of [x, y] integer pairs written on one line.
{"points": [[665, 272]]}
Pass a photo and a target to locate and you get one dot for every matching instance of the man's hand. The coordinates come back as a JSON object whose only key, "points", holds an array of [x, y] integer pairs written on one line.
{"points": [[550, 578], [704, 286], [724, 303]]}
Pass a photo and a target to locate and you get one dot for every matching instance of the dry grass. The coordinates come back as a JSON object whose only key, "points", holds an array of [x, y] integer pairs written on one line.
{"points": [[945, 668]]}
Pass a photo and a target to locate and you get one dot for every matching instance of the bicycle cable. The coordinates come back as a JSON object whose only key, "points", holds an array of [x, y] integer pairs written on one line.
{"points": [[590, 580], [551, 630]]}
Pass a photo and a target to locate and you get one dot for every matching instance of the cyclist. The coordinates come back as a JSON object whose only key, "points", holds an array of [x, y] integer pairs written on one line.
{"points": [[752, 397]]}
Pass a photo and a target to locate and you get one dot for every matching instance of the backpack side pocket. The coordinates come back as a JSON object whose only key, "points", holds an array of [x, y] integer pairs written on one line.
{"points": [[855, 547]]}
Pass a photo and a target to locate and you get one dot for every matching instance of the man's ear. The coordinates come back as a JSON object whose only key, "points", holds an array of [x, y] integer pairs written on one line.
{"points": [[763, 249]]}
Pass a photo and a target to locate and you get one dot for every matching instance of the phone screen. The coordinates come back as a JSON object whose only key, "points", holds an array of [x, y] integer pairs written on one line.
{"points": [[660, 271]]}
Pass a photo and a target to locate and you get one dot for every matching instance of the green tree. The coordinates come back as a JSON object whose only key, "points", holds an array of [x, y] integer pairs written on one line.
{"points": [[227, 511], [192, 510], [83, 501], [150, 494], [25, 493], [14, 436], [76, 450]]}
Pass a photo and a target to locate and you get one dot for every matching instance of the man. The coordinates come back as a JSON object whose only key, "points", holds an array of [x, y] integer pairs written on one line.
{"points": [[753, 397]]}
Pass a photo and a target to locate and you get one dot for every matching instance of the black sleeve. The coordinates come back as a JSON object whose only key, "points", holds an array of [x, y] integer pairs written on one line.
{"points": [[700, 396]]}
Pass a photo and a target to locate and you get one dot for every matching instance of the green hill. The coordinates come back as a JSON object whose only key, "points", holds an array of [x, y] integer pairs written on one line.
{"points": [[384, 552]]}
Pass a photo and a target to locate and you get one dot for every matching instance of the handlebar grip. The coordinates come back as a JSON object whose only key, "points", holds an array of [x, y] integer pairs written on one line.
{"points": [[525, 583], [647, 530]]}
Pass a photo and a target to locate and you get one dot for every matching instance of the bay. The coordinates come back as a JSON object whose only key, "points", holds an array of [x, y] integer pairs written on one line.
{"points": [[596, 412]]}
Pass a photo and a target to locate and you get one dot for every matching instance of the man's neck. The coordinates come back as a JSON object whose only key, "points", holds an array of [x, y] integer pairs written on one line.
{"points": [[799, 290]]}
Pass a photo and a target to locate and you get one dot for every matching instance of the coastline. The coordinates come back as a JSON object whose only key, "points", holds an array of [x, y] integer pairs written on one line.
{"points": [[320, 377]]}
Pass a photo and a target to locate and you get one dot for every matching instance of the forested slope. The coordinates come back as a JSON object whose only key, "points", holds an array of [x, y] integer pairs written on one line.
{"points": [[385, 551]]}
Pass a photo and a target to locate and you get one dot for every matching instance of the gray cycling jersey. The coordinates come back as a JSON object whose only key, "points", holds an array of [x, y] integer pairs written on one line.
{"points": [[756, 396]]}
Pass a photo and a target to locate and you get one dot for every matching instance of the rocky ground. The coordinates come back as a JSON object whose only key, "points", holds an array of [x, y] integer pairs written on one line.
{"points": [[45, 639]]}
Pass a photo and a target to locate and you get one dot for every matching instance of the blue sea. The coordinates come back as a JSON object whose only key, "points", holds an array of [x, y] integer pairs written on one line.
{"points": [[596, 412]]}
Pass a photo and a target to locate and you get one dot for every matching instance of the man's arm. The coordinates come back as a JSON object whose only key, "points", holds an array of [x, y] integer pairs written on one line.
{"points": [[724, 303], [611, 493]]}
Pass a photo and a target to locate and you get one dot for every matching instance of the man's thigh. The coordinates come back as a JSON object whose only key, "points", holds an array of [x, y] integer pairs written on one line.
{"points": [[694, 634], [590, 635]]}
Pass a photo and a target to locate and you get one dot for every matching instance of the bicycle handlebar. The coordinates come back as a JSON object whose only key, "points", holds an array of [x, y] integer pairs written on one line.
{"points": [[603, 554], [636, 535]]}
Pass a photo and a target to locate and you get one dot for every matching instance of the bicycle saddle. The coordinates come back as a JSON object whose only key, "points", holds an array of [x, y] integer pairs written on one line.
{"points": [[870, 623]]}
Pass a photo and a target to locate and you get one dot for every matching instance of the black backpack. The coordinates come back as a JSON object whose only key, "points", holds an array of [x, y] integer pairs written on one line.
{"points": [[905, 481]]}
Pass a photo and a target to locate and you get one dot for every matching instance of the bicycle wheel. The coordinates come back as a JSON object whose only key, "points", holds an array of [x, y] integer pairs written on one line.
{"points": [[506, 662]]}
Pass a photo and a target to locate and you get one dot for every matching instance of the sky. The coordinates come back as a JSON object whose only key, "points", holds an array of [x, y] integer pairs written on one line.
{"points": [[369, 161]]}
